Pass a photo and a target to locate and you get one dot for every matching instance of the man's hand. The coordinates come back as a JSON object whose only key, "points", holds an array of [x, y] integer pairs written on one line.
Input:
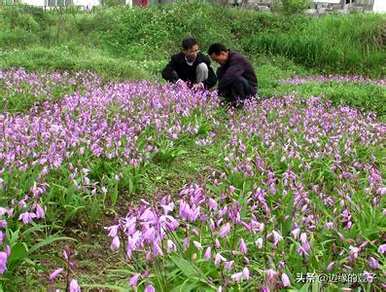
{"points": [[198, 86]]}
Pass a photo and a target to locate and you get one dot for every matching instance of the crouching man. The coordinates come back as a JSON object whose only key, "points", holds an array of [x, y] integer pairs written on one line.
{"points": [[190, 67], [236, 77]]}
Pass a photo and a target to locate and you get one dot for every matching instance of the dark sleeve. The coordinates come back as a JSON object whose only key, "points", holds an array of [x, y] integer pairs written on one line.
{"points": [[169, 73], [236, 69]]}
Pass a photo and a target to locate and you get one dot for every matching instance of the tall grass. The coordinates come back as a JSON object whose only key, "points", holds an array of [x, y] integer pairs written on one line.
{"points": [[343, 44]]}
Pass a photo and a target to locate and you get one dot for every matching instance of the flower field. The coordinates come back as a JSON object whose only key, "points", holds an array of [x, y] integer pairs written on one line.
{"points": [[182, 193]]}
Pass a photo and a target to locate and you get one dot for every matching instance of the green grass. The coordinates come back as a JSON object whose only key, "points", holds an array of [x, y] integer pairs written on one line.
{"points": [[120, 44], [365, 97], [351, 44], [69, 58]]}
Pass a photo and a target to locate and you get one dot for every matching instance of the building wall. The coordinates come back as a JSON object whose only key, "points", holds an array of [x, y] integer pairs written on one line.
{"points": [[379, 6], [34, 2], [87, 3], [328, 1]]}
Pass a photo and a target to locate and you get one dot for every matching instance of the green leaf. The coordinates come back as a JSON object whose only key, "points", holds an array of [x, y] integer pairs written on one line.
{"points": [[36, 227], [305, 288], [48, 241], [187, 268], [316, 286], [108, 287], [71, 213], [185, 287], [114, 194], [18, 253]]}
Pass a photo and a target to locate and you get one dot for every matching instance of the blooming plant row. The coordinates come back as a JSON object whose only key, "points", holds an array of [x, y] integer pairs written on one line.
{"points": [[295, 185]]}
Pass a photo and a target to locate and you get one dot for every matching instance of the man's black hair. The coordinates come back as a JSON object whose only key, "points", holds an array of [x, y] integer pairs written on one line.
{"points": [[216, 48], [188, 43]]}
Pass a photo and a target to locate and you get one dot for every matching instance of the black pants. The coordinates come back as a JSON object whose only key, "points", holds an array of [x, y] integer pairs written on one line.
{"points": [[237, 91]]}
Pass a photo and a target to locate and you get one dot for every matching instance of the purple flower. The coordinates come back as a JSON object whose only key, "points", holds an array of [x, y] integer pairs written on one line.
{"points": [[330, 266], [27, 217], [186, 243], [374, 177], [243, 246], [157, 250], [281, 265], [115, 243], [368, 276], [197, 245], [329, 225], [187, 212], [55, 273], [150, 234], [39, 211], [3, 211], [237, 277], [271, 275], [134, 280], [255, 226], [382, 249], [373, 263], [305, 248], [381, 191], [171, 247], [275, 237], [149, 288], [285, 280], [3, 223], [259, 243], [168, 208], [353, 253], [228, 265], [224, 230], [218, 259], [208, 253], [65, 255], [303, 237], [3, 262], [295, 233], [245, 273], [74, 286], [113, 230], [212, 204], [148, 215], [346, 215]]}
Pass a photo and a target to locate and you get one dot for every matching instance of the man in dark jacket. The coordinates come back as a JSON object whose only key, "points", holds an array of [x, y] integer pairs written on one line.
{"points": [[190, 67], [236, 77]]}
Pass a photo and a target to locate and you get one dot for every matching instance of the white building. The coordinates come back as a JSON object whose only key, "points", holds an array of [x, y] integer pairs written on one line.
{"points": [[379, 6], [370, 5], [87, 4]]}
